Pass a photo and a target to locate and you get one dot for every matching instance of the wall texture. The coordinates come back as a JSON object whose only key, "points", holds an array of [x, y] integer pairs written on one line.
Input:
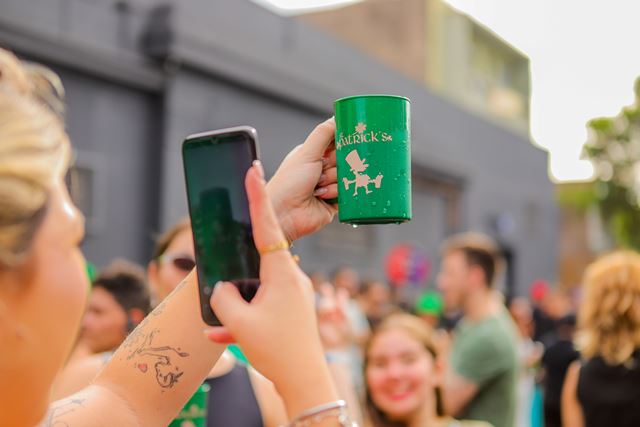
{"points": [[142, 75]]}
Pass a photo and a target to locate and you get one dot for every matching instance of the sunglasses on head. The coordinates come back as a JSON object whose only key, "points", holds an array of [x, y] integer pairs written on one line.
{"points": [[179, 261]]}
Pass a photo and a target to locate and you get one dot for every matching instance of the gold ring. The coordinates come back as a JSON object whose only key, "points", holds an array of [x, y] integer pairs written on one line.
{"points": [[282, 245]]}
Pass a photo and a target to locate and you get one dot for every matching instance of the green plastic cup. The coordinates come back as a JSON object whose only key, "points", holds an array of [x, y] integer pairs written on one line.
{"points": [[194, 413], [373, 154]]}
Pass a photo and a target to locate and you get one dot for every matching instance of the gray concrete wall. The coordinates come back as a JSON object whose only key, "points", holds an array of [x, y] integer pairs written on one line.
{"points": [[228, 62]]}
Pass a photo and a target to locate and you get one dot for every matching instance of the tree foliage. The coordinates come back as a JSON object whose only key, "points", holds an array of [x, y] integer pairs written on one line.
{"points": [[613, 147]]}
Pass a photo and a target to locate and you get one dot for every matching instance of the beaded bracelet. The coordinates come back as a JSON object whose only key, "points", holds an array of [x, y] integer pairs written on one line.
{"points": [[337, 409]]}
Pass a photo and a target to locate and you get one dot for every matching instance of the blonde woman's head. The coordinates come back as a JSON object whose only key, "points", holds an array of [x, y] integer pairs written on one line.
{"points": [[609, 317], [43, 287], [34, 151]]}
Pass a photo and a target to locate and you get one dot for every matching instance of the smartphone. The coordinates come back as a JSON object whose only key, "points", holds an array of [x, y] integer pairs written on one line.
{"points": [[215, 166]]}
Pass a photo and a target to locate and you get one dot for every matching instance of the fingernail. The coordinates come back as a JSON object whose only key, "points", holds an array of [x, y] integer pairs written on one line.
{"points": [[322, 177], [258, 165], [320, 191], [213, 290], [325, 162]]}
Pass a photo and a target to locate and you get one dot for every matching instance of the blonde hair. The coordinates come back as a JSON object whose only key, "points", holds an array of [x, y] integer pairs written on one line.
{"points": [[34, 151], [609, 317], [417, 330]]}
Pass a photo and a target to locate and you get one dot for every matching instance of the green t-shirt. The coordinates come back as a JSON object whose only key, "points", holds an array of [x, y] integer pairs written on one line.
{"points": [[485, 353]]}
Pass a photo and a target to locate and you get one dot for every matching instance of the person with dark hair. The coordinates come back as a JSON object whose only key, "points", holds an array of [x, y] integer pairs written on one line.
{"points": [[375, 300], [118, 302], [346, 277], [482, 377], [555, 362], [404, 376]]}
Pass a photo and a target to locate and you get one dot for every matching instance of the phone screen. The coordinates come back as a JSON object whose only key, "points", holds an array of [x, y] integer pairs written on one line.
{"points": [[215, 166]]}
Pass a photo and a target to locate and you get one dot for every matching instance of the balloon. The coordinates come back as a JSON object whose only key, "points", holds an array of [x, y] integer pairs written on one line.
{"points": [[406, 264]]}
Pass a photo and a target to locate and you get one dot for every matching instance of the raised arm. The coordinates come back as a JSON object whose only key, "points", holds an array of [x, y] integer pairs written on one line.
{"points": [[167, 357], [277, 330], [153, 373]]}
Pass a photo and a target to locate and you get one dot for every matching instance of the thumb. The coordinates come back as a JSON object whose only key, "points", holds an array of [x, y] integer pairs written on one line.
{"points": [[319, 140], [228, 305]]}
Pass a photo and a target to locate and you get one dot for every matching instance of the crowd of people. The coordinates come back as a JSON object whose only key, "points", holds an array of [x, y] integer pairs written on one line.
{"points": [[330, 348]]}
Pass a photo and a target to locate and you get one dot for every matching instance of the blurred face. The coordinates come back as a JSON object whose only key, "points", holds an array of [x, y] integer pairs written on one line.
{"points": [[348, 280], [401, 375], [318, 279], [453, 280], [521, 313], [178, 260], [377, 299], [44, 300], [104, 325]]}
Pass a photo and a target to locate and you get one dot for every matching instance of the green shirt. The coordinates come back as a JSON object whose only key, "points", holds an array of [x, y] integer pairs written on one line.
{"points": [[485, 353]]}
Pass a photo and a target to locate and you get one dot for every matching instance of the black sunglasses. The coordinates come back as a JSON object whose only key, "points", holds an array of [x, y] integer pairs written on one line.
{"points": [[179, 261]]}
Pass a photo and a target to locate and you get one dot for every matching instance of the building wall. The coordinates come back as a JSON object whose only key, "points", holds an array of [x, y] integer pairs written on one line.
{"points": [[392, 31], [113, 134], [430, 42], [157, 75]]}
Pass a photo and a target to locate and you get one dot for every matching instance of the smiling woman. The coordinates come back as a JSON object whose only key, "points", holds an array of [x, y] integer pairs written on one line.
{"points": [[404, 374]]}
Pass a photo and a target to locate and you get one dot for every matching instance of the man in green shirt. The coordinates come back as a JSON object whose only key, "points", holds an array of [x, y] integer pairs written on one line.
{"points": [[483, 364]]}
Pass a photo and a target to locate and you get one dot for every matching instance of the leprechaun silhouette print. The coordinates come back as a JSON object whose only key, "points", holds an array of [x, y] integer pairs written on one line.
{"points": [[358, 166]]}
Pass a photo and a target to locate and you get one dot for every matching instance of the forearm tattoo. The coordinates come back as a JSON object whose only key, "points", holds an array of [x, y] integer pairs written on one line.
{"points": [[163, 358], [55, 416], [140, 349]]}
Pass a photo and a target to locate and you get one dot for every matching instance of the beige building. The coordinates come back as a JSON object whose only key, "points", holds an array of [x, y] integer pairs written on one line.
{"points": [[583, 234], [431, 42]]}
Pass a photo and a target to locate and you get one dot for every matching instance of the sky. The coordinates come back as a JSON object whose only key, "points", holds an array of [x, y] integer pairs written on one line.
{"points": [[584, 60]]}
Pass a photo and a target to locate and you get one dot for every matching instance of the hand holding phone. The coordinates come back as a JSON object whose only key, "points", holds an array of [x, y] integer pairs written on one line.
{"points": [[277, 331], [215, 164]]}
